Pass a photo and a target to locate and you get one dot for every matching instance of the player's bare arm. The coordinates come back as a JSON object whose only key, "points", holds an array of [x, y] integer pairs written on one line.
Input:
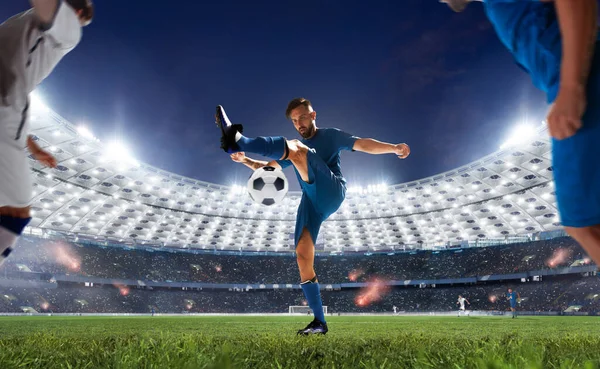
{"points": [[240, 157], [371, 146], [578, 26], [39, 154], [45, 10]]}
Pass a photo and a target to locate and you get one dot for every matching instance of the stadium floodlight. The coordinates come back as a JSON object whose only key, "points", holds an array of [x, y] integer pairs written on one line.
{"points": [[520, 135], [85, 132], [118, 152], [37, 102]]}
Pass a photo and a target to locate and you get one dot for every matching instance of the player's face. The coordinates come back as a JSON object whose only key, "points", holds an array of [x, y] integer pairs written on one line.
{"points": [[304, 121], [509, 290]]}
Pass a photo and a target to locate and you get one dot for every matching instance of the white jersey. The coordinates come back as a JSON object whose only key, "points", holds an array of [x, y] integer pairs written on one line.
{"points": [[461, 301], [28, 54]]}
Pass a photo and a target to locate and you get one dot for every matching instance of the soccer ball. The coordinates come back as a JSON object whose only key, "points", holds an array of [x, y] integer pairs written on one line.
{"points": [[267, 185]]}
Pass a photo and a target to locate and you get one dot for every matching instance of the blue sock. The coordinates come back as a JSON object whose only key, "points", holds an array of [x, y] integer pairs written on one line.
{"points": [[313, 296], [271, 147]]}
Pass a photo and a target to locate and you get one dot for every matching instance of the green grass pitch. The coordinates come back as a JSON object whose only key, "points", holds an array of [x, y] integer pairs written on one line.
{"points": [[270, 342]]}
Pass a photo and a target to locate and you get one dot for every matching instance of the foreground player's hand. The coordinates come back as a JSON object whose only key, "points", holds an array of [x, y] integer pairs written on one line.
{"points": [[45, 158], [238, 157], [564, 118], [402, 150]]}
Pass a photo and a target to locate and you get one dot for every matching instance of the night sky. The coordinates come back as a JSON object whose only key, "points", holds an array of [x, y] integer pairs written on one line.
{"points": [[151, 74]]}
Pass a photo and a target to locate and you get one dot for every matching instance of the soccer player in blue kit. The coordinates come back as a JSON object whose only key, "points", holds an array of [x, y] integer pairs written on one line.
{"points": [[513, 297], [316, 161], [554, 42]]}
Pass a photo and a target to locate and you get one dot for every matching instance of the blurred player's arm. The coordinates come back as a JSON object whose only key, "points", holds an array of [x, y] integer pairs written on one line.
{"points": [[33, 147], [39, 154], [45, 10], [371, 146], [578, 27], [240, 157]]}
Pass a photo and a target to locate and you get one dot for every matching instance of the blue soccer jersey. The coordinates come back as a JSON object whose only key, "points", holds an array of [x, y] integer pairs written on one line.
{"points": [[328, 143], [512, 297], [325, 190], [531, 32]]}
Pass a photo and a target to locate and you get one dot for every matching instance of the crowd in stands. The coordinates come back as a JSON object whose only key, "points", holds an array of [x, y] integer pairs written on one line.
{"points": [[59, 257], [55, 258], [556, 294]]}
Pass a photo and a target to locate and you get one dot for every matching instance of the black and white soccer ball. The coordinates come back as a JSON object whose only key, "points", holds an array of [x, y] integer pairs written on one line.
{"points": [[267, 185]]}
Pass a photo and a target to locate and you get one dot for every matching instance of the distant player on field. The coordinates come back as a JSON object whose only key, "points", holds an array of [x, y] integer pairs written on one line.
{"points": [[395, 308], [461, 302], [316, 160], [513, 297], [31, 45], [555, 42]]}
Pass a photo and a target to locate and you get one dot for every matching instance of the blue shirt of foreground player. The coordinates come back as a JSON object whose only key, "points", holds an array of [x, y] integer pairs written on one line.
{"points": [[530, 31], [328, 143]]}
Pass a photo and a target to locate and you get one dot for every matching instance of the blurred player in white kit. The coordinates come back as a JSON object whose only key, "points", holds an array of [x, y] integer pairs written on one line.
{"points": [[31, 45], [461, 301]]}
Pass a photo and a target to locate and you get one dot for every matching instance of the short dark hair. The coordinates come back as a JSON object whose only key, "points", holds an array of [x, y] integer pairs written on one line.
{"points": [[299, 101], [86, 7]]}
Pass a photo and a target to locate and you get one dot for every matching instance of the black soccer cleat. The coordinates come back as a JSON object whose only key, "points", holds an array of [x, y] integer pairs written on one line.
{"points": [[228, 131], [314, 327]]}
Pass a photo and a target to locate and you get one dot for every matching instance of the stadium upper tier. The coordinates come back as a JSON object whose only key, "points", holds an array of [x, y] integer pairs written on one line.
{"points": [[99, 192]]}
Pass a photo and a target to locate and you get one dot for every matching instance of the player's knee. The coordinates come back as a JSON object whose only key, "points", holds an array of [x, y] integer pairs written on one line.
{"points": [[297, 150], [14, 224], [302, 258]]}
